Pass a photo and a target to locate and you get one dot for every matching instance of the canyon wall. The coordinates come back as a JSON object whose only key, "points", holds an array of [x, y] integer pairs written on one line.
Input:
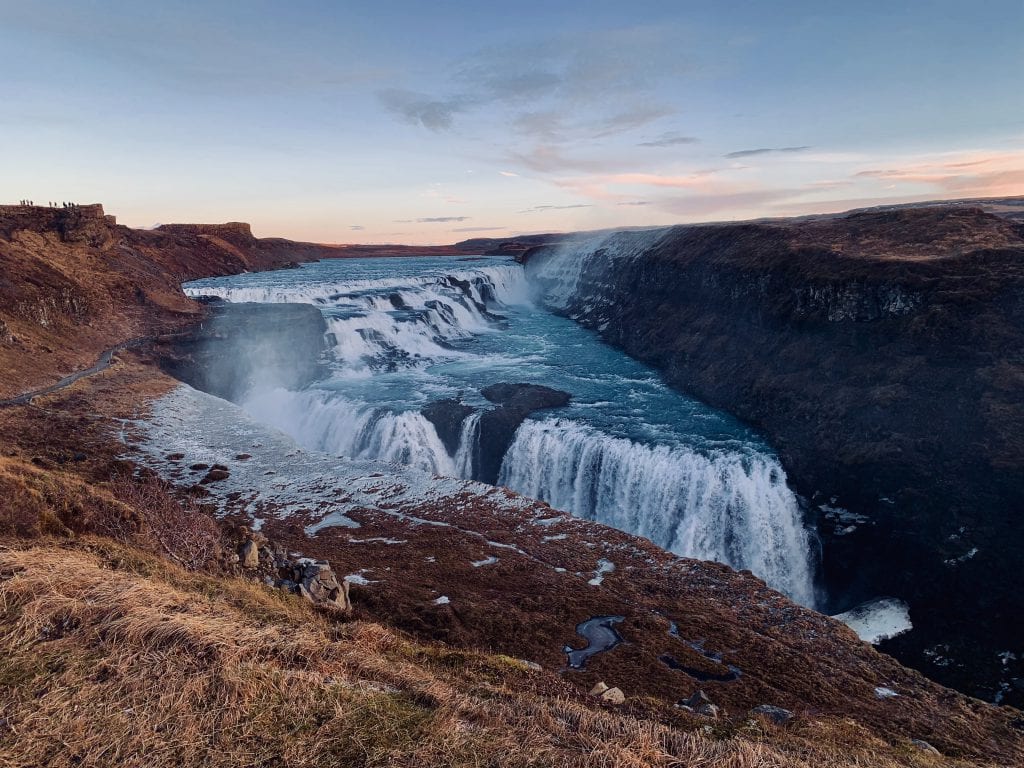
{"points": [[882, 354], [74, 283]]}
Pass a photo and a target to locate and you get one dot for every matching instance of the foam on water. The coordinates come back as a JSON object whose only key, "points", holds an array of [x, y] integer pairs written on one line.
{"points": [[333, 425], [732, 507], [628, 451]]}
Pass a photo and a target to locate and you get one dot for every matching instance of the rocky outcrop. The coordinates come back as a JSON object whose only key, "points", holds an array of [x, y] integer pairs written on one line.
{"points": [[73, 283], [447, 417], [882, 354], [313, 580], [497, 426]]}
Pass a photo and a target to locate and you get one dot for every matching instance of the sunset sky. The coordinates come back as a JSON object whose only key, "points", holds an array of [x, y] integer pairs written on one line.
{"points": [[433, 122]]}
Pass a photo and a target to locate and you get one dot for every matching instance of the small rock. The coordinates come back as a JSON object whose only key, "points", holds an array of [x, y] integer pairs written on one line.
{"points": [[216, 475], [882, 692], [533, 666], [924, 746], [598, 689], [175, 456], [613, 696], [700, 704], [199, 467], [243, 457], [250, 554], [777, 715]]}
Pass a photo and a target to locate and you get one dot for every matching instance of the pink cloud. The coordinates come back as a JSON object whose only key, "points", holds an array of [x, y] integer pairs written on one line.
{"points": [[981, 174]]}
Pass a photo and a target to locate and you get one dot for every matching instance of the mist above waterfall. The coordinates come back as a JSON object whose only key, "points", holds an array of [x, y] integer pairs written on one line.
{"points": [[627, 451]]}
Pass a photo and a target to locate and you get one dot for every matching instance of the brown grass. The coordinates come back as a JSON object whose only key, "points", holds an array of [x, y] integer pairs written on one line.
{"points": [[109, 656], [140, 511]]}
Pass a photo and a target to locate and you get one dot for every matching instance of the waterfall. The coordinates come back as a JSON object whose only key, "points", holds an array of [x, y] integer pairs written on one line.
{"points": [[398, 338], [468, 453], [322, 422], [727, 506], [386, 324], [559, 269], [500, 284]]}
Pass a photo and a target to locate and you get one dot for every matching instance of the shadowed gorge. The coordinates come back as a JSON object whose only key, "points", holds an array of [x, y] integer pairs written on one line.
{"points": [[880, 353]]}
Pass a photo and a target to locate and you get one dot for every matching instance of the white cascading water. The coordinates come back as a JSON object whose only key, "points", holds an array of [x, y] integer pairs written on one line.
{"points": [[387, 323], [730, 507], [727, 505], [467, 456], [337, 426], [559, 272]]}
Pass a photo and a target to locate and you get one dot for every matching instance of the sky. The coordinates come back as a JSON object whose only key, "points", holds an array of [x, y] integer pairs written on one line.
{"points": [[420, 122]]}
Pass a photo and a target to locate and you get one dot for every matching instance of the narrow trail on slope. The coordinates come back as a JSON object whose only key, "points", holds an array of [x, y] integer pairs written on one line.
{"points": [[101, 365]]}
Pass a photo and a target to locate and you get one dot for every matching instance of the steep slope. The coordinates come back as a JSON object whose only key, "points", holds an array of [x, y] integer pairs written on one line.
{"points": [[111, 657], [75, 283], [883, 355]]}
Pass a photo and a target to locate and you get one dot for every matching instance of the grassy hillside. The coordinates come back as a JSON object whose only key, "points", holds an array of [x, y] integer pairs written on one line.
{"points": [[110, 656]]}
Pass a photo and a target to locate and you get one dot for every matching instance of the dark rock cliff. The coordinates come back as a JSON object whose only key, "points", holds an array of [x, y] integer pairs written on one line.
{"points": [[239, 346], [883, 355], [497, 426]]}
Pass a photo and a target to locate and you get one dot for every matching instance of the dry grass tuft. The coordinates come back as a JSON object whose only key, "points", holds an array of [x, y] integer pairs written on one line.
{"points": [[138, 511], [110, 656]]}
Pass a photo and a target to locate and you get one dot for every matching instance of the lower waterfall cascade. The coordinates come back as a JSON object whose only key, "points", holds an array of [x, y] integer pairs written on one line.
{"points": [[627, 451]]}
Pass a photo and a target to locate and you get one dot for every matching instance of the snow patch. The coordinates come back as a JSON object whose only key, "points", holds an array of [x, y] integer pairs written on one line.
{"points": [[378, 540], [878, 620], [603, 567], [358, 578]]}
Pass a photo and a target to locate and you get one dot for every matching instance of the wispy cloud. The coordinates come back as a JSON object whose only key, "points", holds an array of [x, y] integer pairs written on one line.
{"points": [[629, 121], [509, 174], [765, 151], [634, 202], [672, 139], [479, 229], [424, 110], [584, 87], [970, 173], [357, 228], [433, 220], [542, 208]]}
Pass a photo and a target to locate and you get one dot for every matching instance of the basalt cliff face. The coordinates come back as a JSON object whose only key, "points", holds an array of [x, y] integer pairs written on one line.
{"points": [[882, 354]]}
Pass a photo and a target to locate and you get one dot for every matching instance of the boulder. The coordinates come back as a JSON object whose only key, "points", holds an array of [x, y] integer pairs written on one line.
{"points": [[777, 715], [216, 475], [598, 689], [700, 704], [924, 746], [249, 554], [613, 696], [319, 584]]}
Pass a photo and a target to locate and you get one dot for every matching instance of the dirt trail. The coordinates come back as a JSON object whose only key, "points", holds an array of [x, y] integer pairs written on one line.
{"points": [[101, 365]]}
